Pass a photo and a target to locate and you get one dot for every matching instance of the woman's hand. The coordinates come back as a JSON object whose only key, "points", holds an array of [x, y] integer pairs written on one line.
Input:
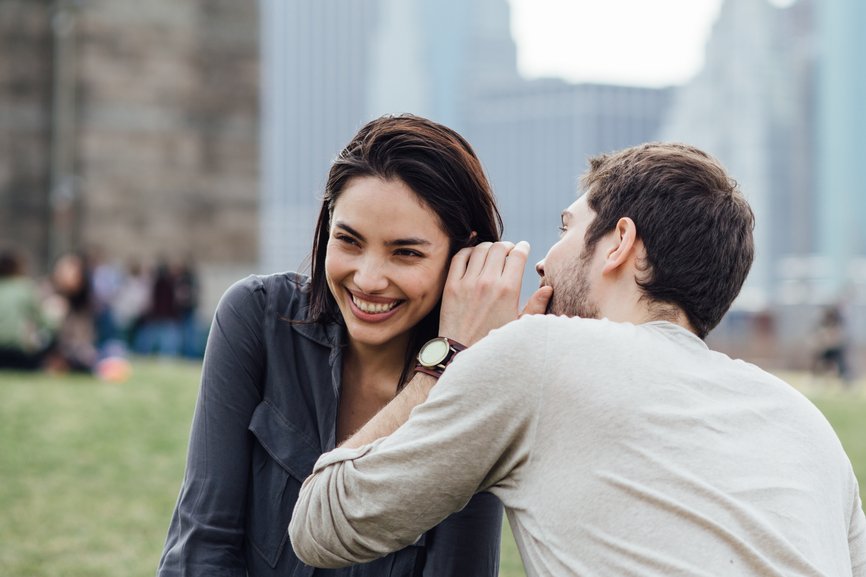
{"points": [[483, 289]]}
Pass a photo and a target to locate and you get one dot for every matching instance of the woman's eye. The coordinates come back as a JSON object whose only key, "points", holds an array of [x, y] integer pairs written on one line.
{"points": [[562, 230], [346, 239], [407, 252]]}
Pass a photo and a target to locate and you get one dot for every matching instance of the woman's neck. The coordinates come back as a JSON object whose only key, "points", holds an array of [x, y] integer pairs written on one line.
{"points": [[374, 367], [370, 378]]}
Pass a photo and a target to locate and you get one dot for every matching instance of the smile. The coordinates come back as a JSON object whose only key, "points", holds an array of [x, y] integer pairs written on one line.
{"points": [[374, 308]]}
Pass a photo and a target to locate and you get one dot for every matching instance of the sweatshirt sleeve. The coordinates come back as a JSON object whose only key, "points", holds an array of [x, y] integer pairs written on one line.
{"points": [[857, 537], [473, 433], [207, 528]]}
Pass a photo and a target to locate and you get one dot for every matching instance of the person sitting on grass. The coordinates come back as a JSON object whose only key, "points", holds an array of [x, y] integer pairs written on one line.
{"points": [[27, 328]]}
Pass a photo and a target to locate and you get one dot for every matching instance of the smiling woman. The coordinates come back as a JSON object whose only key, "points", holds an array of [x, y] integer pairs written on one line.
{"points": [[296, 364], [386, 261]]}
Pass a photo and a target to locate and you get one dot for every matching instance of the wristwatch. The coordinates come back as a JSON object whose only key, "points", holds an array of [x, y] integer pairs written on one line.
{"points": [[436, 354]]}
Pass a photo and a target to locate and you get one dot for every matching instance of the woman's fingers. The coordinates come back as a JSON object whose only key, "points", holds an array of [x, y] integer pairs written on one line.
{"points": [[482, 290], [484, 260], [477, 260], [458, 264], [516, 262]]}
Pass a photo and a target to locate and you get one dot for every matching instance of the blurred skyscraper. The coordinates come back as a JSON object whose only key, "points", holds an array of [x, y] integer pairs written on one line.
{"points": [[780, 102], [534, 139], [329, 66], [751, 106], [841, 141]]}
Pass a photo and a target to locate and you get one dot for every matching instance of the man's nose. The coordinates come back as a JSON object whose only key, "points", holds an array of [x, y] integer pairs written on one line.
{"points": [[370, 276], [539, 267]]}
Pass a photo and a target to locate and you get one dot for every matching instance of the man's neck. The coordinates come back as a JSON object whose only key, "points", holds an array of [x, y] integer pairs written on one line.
{"points": [[639, 311]]}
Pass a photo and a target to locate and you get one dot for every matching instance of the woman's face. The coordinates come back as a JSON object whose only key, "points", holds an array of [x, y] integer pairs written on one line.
{"points": [[387, 259]]}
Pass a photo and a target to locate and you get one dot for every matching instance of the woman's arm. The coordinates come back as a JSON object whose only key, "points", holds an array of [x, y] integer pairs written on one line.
{"points": [[207, 528]]}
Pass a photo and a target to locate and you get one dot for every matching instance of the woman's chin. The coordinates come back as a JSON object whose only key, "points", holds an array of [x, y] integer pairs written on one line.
{"points": [[377, 333], [370, 336]]}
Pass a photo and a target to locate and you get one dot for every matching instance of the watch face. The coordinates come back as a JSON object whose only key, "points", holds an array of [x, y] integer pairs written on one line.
{"points": [[434, 352]]}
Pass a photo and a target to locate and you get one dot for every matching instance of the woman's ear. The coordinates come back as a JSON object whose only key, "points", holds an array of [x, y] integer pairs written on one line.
{"points": [[623, 245], [473, 239]]}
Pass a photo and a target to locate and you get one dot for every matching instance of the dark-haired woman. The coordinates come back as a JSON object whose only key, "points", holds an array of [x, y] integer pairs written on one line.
{"points": [[295, 365]]}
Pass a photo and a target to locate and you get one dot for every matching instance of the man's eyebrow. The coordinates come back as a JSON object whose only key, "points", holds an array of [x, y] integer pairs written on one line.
{"points": [[410, 241]]}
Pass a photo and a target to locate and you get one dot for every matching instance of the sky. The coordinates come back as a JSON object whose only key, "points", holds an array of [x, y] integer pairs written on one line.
{"points": [[650, 43]]}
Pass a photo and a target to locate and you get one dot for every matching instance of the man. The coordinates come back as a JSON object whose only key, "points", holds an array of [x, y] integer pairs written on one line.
{"points": [[617, 441]]}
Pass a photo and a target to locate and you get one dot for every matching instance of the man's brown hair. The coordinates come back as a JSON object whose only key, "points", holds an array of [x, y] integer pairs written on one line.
{"points": [[693, 220]]}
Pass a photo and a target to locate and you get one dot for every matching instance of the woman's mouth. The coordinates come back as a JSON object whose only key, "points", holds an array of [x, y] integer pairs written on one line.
{"points": [[374, 308], [373, 312]]}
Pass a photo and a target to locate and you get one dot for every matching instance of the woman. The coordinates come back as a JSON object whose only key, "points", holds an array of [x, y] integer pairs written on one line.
{"points": [[295, 365]]}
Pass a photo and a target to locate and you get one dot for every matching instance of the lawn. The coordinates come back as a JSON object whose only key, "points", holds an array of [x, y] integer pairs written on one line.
{"points": [[89, 471]]}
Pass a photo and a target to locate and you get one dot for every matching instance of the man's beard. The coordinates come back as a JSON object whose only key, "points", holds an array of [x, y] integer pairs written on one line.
{"points": [[571, 291]]}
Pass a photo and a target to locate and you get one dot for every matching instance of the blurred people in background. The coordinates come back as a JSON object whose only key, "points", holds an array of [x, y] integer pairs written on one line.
{"points": [[105, 282], [161, 330], [27, 327], [131, 301], [186, 302], [169, 325], [75, 350], [81, 313], [830, 346]]}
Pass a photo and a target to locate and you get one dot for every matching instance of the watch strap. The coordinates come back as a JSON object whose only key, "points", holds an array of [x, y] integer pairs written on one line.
{"points": [[426, 371], [456, 346]]}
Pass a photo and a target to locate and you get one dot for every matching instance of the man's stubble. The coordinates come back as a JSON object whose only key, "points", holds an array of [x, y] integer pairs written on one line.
{"points": [[571, 290]]}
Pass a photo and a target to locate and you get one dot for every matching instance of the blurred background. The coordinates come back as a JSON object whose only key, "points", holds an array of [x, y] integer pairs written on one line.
{"points": [[186, 141], [152, 153]]}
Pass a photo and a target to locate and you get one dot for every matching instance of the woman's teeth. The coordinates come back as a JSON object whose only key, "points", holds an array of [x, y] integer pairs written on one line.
{"points": [[374, 307]]}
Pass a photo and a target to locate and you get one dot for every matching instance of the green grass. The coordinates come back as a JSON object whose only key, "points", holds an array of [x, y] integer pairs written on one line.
{"points": [[89, 471]]}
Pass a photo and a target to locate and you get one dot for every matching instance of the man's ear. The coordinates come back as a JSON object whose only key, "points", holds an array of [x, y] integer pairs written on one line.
{"points": [[623, 245]]}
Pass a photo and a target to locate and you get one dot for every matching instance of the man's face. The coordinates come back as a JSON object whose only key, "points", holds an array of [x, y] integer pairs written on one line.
{"points": [[567, 269]]}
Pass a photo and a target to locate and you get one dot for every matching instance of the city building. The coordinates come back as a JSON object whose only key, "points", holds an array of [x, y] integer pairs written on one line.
{"points": [[751, 107], [534, 138]]}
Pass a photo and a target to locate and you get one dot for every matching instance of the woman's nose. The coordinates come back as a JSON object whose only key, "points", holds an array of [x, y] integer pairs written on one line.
{"points": [[539, 267], [370, 276]]}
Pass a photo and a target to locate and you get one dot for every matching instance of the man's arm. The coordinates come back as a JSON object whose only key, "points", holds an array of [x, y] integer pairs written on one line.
{"points": [[857, 536], [473, 431], [390, 418]]}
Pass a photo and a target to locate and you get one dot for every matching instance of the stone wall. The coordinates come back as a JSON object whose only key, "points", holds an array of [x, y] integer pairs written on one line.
{"points": [[168, 128], [166, 140], [25, 116]]}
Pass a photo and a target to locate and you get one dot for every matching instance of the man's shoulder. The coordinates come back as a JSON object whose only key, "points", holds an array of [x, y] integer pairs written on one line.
{"points": [[558, 327]]}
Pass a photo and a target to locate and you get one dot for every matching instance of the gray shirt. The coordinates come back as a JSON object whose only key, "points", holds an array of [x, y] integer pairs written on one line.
{"points": [[616, 449]]}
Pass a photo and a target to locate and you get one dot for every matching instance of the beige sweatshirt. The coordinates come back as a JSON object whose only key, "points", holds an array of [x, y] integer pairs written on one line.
{"points": [[616, 449]]}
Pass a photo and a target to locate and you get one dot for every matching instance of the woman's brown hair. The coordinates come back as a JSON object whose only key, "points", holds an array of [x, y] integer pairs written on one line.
{"points": [[440, 167]]}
